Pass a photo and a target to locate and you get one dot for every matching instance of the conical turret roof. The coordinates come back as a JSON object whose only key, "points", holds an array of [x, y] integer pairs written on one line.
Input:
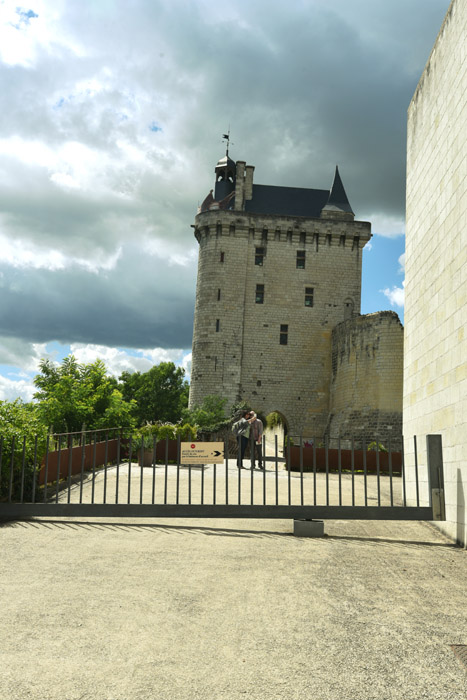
{"points": [[337, 200]]}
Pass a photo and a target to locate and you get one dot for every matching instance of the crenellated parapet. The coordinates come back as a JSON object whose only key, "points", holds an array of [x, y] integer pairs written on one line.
{"points": [[288, 229]]}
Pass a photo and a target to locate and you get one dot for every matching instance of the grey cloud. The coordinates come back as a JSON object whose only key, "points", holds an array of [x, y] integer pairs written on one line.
{"points": [[142, 303], [33, 208], [303, 86], [341, 99], [333, 78], [336, 85], [15, 351]]}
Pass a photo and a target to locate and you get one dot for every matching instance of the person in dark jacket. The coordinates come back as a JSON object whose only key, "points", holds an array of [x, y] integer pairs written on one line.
{"points": [[256, 436], [242, 430]]}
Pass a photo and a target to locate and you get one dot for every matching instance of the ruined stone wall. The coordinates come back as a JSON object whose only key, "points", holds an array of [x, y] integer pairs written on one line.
{"points": [[435, 363], [366, 384], [243, 358]]}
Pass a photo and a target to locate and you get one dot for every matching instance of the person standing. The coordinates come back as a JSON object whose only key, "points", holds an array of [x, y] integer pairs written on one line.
{"points": [[241, 430], [256, 432]]}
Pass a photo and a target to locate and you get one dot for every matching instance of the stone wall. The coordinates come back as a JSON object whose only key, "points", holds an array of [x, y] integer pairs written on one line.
{"points": [[366, 384], [236, 343], [435, 370]]}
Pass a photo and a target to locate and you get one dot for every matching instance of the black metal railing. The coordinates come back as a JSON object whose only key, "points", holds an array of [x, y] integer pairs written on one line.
{"points": [[100, 472]]}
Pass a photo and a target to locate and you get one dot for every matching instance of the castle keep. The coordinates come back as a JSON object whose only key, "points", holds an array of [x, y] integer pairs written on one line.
{"points": [[277, 314]]}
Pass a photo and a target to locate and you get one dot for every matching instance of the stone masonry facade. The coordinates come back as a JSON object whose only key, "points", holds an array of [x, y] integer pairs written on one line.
{"points": [[366, 385], [435, 354], [277, 298]]}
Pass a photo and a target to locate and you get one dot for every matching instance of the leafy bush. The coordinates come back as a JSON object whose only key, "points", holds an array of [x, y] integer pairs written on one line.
{"points": [[144, 437], [372, 447], [209, 415], [274, 419], [20, 425]]}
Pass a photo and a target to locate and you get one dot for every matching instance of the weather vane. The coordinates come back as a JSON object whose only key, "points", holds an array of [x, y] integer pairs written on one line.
{"points": [[226, 137]]}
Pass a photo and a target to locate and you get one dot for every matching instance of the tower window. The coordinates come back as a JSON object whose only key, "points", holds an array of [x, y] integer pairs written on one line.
{"points": [[284, 335], [218, 295], [218, 325], [259, 297], [259, 256], [309, 296], [300, 259], [221, 259]]}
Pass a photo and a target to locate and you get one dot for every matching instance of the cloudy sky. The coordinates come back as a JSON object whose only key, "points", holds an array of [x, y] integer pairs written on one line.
{"points": [[111, 118]]}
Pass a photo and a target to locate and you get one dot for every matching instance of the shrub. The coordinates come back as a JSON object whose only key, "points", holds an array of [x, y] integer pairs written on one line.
{"points": [[20, 425], [209, 415], [273, 419], [372, 447], [144, 437]]}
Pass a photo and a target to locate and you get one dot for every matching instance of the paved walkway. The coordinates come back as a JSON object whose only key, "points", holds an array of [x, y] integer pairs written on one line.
{"points": [[227, 484], [196, 609]]}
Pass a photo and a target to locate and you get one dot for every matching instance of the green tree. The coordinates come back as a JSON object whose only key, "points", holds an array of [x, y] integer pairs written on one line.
{"points": [[72, 395], [20, 425], [161, 394], [209, 414], [119, 413]]}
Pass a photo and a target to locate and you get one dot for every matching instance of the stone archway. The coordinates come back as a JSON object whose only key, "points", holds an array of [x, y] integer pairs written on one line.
{"points": [[276, 424]]}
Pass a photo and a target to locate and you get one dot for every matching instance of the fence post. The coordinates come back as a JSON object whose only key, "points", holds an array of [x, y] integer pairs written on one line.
{"points": [[434, 452]]}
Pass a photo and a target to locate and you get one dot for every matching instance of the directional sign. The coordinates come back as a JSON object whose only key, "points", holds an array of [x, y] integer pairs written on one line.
{"points": [[201, 453]]}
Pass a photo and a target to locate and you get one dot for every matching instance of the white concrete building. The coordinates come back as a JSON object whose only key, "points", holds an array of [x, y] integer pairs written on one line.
{"points": [[435, 342]]}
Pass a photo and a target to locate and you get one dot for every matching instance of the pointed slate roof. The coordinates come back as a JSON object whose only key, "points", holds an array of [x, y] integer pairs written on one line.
{"points": [[337, 200]]}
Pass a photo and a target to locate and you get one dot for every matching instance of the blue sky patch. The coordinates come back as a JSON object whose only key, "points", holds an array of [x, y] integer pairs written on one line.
{"points": [[154, 126], [25, 16], [381, 268]]}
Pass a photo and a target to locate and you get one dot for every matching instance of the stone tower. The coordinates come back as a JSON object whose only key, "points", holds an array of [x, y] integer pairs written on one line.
{"points": [[279, 268]]}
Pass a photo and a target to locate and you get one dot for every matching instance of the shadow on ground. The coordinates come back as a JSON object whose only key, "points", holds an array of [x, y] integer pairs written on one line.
{"points": [[217, 531]]}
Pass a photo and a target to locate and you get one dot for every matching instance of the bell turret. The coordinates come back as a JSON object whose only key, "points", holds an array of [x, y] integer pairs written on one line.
{"points": [[225, 177]]}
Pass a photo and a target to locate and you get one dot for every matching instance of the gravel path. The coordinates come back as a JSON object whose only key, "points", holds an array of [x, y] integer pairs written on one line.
{"points": [[196, 609]]}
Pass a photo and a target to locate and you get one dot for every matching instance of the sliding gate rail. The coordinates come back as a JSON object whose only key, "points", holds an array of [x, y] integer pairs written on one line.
{"points": [[101, 479]]}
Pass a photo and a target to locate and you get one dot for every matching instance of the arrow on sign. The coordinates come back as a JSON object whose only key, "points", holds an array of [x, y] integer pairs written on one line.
{"points": [[217, 453]]}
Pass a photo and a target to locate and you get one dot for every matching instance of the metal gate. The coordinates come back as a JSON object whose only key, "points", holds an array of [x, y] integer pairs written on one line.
{"points": [[103, 477]]}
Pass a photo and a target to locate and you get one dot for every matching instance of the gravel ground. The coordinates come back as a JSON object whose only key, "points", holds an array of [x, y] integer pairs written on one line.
{"points": [[186, 609]]}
